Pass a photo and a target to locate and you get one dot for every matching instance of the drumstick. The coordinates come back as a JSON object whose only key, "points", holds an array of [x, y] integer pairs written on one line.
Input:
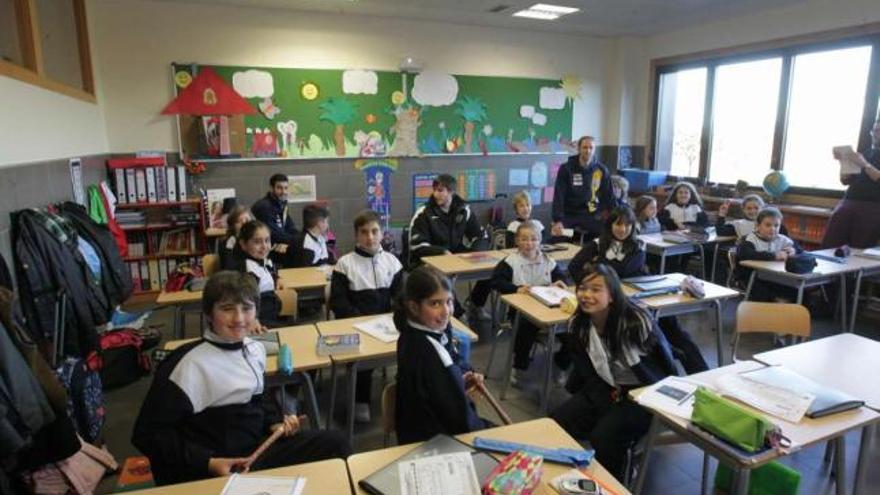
{"points": [[494, 403], [265, 445]]}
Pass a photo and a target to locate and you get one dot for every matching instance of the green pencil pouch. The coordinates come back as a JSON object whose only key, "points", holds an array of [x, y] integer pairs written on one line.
{"points": [[733, 423], [773, 478]]}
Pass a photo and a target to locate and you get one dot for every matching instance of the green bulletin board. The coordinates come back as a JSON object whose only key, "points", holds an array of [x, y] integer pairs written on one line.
{"points": [[483, 116]]}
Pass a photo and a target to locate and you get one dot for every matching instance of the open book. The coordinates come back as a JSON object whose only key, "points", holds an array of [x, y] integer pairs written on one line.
{"points": [[381, 328], [550, 295], [263, 485]]}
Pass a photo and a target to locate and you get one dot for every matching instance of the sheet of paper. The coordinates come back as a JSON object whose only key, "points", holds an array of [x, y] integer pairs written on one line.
{"points": [[263, 485], [550, 295], [518, 177], [775, 401], [844, 155], [381, 328], [448, 474], [671, 395]]}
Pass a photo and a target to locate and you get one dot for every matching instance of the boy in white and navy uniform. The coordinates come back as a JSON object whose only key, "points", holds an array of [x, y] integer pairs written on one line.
{"points": [[311, 245], [206, 410], [528, 267], [765, 243], [364, 282]]}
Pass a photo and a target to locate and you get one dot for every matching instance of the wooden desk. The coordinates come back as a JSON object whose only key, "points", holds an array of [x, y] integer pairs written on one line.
{"points": [[846, 362], [312, 283], [372, 352], [806, 433], [302, 340], [542, 432], [561, 257], [328, 477], [459, 267], [683, 303]]}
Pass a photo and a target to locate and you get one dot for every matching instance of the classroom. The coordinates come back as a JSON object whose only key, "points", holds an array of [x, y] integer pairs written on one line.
{"points": [[410, 246]]}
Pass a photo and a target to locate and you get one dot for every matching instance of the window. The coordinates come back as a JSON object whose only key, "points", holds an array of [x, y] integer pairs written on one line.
{"points": [[819, 119], [681, 106], [745, 100], [741, 112], [45, 43]]}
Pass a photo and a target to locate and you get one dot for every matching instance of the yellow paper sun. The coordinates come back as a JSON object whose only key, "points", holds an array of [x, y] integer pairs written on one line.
{"points": [[571, 85]]}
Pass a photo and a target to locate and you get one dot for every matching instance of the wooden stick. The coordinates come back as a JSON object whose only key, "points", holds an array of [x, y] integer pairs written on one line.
{"points": [[505, 418], [266, 444]]}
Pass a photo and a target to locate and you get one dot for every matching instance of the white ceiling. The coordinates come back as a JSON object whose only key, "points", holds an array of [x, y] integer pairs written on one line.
{"points": [[596, 18]]}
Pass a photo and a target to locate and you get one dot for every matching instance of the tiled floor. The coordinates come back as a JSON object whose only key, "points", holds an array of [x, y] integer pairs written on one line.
{"points": [[673, 469]]}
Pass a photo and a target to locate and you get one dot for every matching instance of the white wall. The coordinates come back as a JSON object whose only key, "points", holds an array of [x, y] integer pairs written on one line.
{"points": [[39, 125], [808, 17], [138, 40]]}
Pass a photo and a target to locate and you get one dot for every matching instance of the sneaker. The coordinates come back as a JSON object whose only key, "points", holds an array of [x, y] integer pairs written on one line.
{"points": [[517, 378], [362, 412]]}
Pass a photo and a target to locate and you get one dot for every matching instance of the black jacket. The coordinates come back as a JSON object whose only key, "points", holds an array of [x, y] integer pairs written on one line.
{"points": [[364, 283], [205, 401], [632, 265], [433, 231], [47, 264], [304, 246], [116, 277], [574, 190], [271, 211], [230, 257], [431, 398]]}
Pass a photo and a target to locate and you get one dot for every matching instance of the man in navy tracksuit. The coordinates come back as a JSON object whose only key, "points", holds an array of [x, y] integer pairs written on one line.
{"points": [[582, 196], [272, 210]]}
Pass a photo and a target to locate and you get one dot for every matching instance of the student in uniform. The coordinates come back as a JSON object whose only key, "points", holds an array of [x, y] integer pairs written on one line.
{"points": [[206, 410], [646, 214], [229, 252], [619, 248], [253, 240], [432, 379], [620, 190], [272, 210], [751, 205], [522, 206], [364, 282], [310, 247], [684, 206], [527, 267], [615, 347], [582, 196], [765, 243], [445, 224]]}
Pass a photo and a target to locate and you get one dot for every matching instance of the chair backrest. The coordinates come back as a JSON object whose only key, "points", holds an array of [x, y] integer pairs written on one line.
{"points": [[288, 299], [498, 238], [389, 406], [775, 318], [731, 265], [210, 264]]}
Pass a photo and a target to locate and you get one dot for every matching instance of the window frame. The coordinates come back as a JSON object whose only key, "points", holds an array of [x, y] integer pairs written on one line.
{"points": [[31, 70], [787, 49]]}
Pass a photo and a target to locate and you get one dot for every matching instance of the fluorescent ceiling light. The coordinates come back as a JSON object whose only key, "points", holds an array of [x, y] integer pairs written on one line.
{"points": [[545, 11]]}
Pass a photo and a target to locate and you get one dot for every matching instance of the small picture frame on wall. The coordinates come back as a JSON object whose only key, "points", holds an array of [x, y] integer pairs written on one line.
{"points": [[303, 189]]}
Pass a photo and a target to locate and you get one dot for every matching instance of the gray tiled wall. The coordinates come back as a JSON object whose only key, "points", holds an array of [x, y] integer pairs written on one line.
{"points": [[36, 185]]}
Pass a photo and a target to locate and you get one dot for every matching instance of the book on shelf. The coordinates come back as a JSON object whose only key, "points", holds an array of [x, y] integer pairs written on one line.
{"points": [[151, 184], [161, 188], [145, 275], [140, 178], [121, 195], [154, 275], [347, 343], [181, 183], [130, 185]]}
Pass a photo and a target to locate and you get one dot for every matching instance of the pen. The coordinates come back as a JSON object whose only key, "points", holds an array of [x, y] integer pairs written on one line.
{"points": [[685, 398]]}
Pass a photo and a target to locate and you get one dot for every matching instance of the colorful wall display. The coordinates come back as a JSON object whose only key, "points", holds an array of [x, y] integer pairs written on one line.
{"points": [[377, 178], [317, 113]]}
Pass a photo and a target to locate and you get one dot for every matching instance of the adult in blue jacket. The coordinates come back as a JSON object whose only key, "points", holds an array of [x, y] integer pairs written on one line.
{"points": [[582, 196]]}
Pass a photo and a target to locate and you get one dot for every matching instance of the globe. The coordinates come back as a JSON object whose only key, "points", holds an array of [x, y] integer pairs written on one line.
{"points": [[775, 183]]}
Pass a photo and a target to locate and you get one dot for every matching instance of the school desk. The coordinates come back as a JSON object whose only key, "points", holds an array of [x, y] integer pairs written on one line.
{"points": [[302, 340], [654, 244], [806, 433], [542, 432], [328, 477], [372, 353], [864, 268], [215, 234], [460, 268], [846, 362]]}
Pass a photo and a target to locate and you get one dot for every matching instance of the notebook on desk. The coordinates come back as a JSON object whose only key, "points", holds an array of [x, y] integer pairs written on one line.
{"points": [[873, 253], [651, 282], [827, 401], [386, 481]]}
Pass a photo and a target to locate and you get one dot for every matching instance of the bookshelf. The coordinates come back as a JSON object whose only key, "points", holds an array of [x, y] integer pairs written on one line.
{"points": [[163, 222]]}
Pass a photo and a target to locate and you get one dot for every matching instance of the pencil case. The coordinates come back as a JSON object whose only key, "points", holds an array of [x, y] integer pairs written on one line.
{"points": [[733, 423], [517, 474]]}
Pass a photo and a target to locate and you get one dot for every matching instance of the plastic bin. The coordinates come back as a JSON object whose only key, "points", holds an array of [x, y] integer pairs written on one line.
{"points": [[643, 180]]}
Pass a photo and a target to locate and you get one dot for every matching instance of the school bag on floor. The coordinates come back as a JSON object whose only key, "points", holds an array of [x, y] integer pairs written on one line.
{"points": [[121, 358], [85, 399]]}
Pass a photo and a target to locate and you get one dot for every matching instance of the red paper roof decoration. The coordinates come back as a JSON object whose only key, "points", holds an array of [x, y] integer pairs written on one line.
{"points": [[208, 94]]}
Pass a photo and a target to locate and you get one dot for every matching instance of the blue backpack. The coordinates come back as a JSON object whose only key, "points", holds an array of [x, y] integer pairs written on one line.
{"points": [[85, 399]]}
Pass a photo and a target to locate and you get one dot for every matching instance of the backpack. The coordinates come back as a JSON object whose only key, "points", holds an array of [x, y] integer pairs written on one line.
{"points": [[121, 358], [85, 399]]}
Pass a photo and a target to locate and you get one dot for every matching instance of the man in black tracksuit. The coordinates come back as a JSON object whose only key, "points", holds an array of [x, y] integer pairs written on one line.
{"points": [[445, 224], [582, 196]]}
